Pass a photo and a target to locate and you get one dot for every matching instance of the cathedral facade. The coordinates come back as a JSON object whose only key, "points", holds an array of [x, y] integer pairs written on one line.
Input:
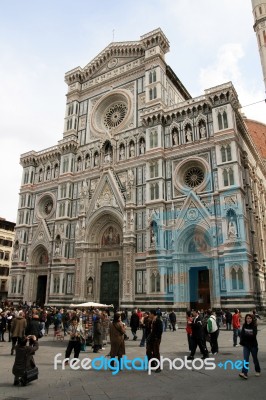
{"points": [[151, 197]]}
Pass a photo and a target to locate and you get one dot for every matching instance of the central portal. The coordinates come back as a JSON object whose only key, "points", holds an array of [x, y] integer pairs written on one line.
{"points": [[199, 288], [110, 283]]}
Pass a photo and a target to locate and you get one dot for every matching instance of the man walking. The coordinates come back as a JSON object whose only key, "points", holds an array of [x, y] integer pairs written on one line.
{"points": [[197, 337]]}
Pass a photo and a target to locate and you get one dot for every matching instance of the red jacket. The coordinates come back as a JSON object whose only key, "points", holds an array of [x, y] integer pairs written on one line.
{"points": [[236, 321]]}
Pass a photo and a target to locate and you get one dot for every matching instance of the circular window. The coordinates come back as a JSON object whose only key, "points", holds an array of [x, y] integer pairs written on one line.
{"points": [[46, 206], [112, 113], [192, 173], [194, 177], [115, 115]]}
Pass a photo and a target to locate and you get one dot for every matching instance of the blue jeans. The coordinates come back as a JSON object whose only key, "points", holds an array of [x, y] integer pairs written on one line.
{"points": [[236, 333], [254, 352]]}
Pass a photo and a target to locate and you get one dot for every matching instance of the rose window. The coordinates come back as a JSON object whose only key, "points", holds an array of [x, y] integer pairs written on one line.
{"points": [[194, 176], [115, 115]]}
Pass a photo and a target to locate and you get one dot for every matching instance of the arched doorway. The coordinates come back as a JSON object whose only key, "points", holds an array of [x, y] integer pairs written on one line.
{"points": [[40, 260]]}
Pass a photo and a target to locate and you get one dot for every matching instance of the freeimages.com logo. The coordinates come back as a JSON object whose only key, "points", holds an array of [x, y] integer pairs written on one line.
{"points": [[144, 364]]}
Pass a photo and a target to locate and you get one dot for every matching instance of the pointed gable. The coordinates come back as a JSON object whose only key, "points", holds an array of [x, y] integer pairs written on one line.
{"points": [[107, 194]]}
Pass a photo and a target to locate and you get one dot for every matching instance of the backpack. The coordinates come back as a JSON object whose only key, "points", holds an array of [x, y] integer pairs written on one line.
{"points": [[214, 325]]}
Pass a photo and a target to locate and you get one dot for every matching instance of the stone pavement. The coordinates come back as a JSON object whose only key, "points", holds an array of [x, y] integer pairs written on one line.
{"points": [[59, 384]]}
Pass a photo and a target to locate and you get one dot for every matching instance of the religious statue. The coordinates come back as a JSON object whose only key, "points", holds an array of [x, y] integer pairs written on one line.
{"points": [[132, 150], [90, 287], [232, 229], [122, 153], [142, 147], [202, 131], [96, 159], [188, 134], [175, 138]]}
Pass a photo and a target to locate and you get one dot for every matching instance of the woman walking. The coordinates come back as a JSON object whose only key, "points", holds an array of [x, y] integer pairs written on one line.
{"points": [[117, 337], [248, 339]]}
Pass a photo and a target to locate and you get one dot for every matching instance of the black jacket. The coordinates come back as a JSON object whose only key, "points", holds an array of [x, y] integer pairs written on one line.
{"points": [[248, 336], [197, 327], [33, 327], [24, 360], [156, 329]]}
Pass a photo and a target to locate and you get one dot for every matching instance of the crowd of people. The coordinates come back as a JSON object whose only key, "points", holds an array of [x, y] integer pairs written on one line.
{"points": [[25, 325]]}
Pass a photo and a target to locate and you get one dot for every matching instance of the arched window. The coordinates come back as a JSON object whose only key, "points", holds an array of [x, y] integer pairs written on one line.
{"points": [[225, 177], [153, 139], [228, 153], [150, 77], [222, 120], [155, 282], [154, 170], [220, 123], [223, 154], [237, 278], [79, 164], [14, 285], [19, 286], [231, 176], [155, 191], [234, 279], [150, 91], [225, 122], [154, 76], [154, 92]]}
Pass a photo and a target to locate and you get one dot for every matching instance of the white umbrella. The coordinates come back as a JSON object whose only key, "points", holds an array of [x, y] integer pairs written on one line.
{"points": [[92, 304]]}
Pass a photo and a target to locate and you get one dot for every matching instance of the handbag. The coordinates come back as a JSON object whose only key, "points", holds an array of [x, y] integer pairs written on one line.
{"points": [[30, 375]]}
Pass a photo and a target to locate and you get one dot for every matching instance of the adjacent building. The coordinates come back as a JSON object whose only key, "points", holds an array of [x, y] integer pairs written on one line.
{"points": [[150, 198], [6, 245]]}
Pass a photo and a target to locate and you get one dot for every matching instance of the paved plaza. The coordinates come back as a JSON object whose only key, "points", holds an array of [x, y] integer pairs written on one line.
{"points": [[219, 383]]}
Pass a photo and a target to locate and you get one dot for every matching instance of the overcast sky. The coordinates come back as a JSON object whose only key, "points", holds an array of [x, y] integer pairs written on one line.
{"points": [[211, 42]]}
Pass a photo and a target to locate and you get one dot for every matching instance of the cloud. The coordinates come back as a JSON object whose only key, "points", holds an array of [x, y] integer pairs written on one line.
{"points": [[227, 67]]}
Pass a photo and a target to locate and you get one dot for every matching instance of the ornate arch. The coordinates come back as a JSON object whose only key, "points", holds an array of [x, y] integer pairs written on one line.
{"points": [[39, 256], [100, 221], [194, 239]]}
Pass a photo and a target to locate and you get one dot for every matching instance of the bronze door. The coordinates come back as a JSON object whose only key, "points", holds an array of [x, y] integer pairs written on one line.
{"points": [[110, 283]]}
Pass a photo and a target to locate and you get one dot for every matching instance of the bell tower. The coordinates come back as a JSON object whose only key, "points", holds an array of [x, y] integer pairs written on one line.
{"points": [[259, 13]]}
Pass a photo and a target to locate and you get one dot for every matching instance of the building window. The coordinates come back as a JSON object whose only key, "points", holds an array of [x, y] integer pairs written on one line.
{"points": [[140, 281], [155, 191], [237, 278], [155, 282], [226, 153], [152, 76], [83, 107], [56, 284], [26, 177], [13, 285], [222, 120], [154, 170], [169, 280], [70, 284], [153, 139], [228, 177], [153, 93]]}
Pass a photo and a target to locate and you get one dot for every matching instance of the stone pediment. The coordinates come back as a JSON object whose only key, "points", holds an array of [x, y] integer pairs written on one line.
{"points": [[41, 236], [117, 54], [115, 63], [193, 212], [107, 194]]}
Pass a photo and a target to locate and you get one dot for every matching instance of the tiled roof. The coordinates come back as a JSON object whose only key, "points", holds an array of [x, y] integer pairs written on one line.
{"points": [[257, 131]]}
